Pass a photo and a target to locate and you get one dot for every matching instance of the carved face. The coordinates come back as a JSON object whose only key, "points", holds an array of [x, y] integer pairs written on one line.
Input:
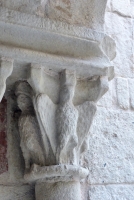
{"points": [[66, 93], [24, 102]]}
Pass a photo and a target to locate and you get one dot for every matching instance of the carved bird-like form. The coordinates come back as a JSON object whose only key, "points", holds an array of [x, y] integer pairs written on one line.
{"points": [[64, 125]]}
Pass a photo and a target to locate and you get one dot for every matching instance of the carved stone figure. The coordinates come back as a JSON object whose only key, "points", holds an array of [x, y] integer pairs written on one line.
{"points": [[53, 146], [64, 127], [59, 135], [66, 120], [58, 123], [28, 127]]}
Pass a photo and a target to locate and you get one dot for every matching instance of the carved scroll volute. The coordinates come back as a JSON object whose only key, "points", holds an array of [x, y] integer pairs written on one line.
{"points": [[6, 68]]}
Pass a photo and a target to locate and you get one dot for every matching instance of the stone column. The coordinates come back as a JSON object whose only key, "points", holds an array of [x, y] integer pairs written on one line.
{"points": [[59, 190], [54, 135], [57, 182]]}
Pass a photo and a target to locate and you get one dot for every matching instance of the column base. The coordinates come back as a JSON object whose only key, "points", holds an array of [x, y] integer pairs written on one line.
{"points": [[56, 182], [58, 191]]}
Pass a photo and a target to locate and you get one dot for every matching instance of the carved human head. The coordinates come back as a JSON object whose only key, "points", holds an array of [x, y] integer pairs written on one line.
{"points": [[23, 92], [67, 89]]}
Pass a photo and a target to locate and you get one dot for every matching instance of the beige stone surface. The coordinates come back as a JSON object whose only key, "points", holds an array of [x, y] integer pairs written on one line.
{"points": [[131, 92], [120, 28], [111, 151], [58, 191], [87, 12], [110, 156], [122, 93], [111, 192]]}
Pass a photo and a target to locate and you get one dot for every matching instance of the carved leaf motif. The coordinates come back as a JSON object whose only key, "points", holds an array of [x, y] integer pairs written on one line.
{"points": [[46, 110], [86, 113]]}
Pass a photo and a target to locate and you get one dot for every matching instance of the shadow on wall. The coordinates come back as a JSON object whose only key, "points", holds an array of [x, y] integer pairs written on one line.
{"points": [[3, 142]]}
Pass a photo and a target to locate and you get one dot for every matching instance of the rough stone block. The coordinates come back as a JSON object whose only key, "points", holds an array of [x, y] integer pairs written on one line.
{"points": [[122, 93], [111, 147], [109, 99], [131, 91], [121, 7], [120, 29], [111, 192]]}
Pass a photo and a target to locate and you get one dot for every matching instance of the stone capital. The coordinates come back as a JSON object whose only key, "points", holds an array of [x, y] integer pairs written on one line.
{"points": [[60, 71]]}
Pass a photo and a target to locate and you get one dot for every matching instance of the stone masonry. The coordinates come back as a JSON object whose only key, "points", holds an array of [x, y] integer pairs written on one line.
{"points": [[111, 162]]}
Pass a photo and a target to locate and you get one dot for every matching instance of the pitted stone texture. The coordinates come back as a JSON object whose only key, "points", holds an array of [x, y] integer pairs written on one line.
{"points": [[131, 91], [111, 192], [110, 98], [122, 93], [111, 150], [87, 12], [120, 28], [132, 8], [17, 193], [26, 6]]}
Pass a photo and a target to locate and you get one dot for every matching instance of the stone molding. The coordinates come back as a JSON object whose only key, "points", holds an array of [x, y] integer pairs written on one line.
{"points": [[56, 45], [56, 173]]}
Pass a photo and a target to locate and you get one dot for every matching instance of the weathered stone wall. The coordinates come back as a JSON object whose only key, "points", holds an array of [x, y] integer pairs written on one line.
{"points": [[111, 153]]}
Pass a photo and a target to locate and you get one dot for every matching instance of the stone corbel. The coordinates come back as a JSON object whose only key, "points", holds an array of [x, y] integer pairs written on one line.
{"points": [[6, 68]]}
